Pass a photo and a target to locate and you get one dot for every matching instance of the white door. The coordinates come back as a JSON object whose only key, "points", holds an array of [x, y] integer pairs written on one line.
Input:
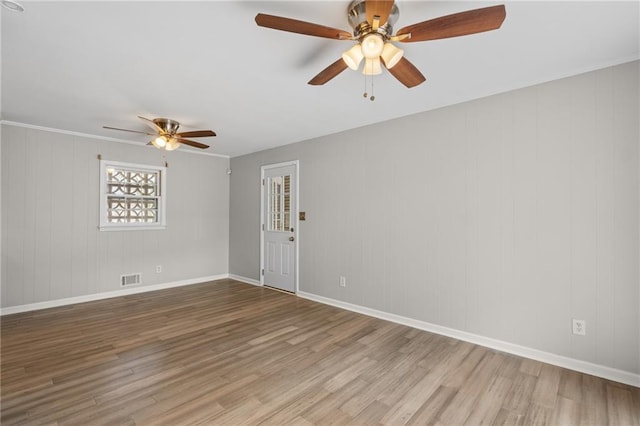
{"points": [[279, 226]]}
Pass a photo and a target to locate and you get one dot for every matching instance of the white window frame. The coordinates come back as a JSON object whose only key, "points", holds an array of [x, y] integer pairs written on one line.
{"points": [[134, 226]]}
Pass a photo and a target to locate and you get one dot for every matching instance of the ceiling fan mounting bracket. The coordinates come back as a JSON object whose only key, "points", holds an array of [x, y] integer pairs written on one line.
{"points": [[357, 16], [364, 29]]}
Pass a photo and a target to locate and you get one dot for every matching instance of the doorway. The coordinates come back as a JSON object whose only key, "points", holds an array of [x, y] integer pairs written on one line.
{"points": [[279, 245]]}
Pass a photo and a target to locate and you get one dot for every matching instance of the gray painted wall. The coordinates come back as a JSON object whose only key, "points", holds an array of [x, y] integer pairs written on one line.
{"points": [[51, 247], [505, 217]]}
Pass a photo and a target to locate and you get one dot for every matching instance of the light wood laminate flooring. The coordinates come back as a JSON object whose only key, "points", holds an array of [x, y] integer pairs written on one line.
{"points": [[231, 353]]}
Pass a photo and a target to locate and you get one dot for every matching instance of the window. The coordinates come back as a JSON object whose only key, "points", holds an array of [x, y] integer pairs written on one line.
{"points": [[279, 193], [132, 196]]}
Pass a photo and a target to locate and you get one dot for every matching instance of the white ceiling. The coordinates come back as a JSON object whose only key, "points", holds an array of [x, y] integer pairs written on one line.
{"points": [[76, 66]]}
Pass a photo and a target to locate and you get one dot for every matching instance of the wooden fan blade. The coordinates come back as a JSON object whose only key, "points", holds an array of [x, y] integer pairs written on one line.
{"points": [[458, 24], [328, 73], [196, 134], [407, 73], [300, 27], [192, 143], [127, 130], [151, 124], [382, 8]]}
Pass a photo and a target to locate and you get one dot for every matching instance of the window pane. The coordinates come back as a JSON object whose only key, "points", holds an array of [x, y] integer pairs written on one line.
{"points": [[132, 210], [287, 184], [279, 198], [132, 182], [287, 223], [287, 203], [276, 222]]}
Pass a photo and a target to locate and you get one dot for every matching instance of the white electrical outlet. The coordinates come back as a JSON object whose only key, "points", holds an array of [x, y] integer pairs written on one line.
{"points": [[158, 269], [579, 327], [343, 281]]}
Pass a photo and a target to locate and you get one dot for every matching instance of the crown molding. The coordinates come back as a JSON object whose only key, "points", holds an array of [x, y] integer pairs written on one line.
{"points": [[90, 136]]}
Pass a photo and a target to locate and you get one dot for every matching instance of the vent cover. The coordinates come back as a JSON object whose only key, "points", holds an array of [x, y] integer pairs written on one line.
{"points": [[130, 279]]}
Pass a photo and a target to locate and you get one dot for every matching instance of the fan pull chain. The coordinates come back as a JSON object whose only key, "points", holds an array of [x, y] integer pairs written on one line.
{"points": [[372, 97], [365, 94]]}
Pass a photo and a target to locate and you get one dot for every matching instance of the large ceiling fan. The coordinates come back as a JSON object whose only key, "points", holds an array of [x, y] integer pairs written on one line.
{"points": [[372, 22], [166, 134]]}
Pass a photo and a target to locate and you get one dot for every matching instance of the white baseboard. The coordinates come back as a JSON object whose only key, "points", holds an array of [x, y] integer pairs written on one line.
{"points": [[605, 372], [106, 295], [245, 280]]}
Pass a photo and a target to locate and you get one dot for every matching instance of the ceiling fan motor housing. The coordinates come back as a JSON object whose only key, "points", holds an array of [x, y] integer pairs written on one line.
{"points": [[167, 125], [357, 16]]}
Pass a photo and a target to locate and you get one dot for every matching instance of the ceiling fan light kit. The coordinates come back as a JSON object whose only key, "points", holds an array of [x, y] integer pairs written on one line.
{"points": [[372, 22], [372, 67], [372, 45], [166, 143], [353, 57], [160, 142], [391, 55], [172, 144]]}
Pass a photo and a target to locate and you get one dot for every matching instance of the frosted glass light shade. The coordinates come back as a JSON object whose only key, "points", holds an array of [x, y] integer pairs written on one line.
{"points": [[372, 46], [172, 144], [159, 142], [353, 57], [372, 67], [391, 55]]}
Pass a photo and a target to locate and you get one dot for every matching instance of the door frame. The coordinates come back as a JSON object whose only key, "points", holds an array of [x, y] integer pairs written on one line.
{"points": [[294, 220]]}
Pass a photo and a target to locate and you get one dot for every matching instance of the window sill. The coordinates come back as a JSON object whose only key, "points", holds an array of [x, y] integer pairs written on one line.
{"points": [[132, 228]]}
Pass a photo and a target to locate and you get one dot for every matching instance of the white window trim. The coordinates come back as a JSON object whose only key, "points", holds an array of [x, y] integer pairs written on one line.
{"points": [[162, 198]]}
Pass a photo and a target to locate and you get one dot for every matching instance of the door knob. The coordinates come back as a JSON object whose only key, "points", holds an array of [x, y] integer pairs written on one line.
{"points": [[291, 239]]}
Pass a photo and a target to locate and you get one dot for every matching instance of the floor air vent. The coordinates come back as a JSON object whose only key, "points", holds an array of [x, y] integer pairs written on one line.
{"points": [[130, 279]]}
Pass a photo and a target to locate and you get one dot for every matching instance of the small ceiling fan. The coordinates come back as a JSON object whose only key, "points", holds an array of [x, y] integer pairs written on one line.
{"points": [[372, 22], [166, 134]]}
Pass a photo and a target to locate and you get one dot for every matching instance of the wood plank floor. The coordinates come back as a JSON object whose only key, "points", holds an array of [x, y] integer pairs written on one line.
{"points": [[231, 353]]}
